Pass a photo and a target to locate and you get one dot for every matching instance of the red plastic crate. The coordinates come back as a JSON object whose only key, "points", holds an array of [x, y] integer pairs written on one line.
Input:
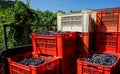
{"points": [[108, 21], [2, 68], [56, 45], [68, 64], [63, 45], [91, 68], [84, 44], [51, 67], [107, 41]]}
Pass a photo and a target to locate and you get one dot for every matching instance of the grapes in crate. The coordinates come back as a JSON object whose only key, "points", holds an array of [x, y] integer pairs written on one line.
{"points": [[45, 32], [32, 61], [102, 59]]}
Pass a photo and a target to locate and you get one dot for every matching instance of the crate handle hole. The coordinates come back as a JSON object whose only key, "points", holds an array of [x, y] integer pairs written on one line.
{"points": [[109, 34], [92, 66]]}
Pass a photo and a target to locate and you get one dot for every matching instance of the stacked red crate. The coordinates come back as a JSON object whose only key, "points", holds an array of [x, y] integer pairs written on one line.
{"points": [[107, 40], [107, 20], [85, 39], [56, 45], [85, 44], [60, 45], [107, 30]]}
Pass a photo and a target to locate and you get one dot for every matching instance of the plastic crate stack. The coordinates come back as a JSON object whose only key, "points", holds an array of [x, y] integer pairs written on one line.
{"points": [[108, 31], [58, 49], [81, 22], [107, 39], [85, 37], [60, 45]]}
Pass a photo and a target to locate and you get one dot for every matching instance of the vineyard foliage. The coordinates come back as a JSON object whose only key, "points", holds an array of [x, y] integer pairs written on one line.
{"points": [[19, 13]]}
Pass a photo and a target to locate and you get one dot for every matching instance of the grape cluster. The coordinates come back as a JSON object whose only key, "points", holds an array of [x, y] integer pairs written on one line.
{"points": [[102, 59], [32, 61], [45, 32]]}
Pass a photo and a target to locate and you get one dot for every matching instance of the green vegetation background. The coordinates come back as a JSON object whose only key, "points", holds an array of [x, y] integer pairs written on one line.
{"points": [[21, 14]]}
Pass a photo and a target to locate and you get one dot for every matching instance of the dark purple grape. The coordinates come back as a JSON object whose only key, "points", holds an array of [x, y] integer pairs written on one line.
{"points": [[102, 59], [32, 61]]}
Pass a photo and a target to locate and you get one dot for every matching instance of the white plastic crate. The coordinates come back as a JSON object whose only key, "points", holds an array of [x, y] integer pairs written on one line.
{"points": [[79, 21]]}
